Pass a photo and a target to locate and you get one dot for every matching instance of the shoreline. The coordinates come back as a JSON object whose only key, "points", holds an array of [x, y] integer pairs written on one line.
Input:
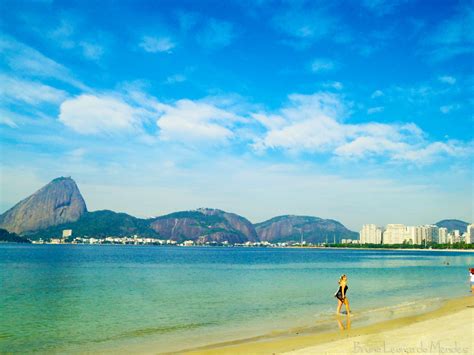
{"points": [[367, 338], [263, 247]]}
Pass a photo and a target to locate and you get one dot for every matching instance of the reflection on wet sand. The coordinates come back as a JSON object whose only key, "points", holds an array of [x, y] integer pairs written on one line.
{"points": [[341, 325]]}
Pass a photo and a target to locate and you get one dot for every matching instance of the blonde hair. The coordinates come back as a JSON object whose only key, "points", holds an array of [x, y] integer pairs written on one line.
{"points": [[340, 279]]}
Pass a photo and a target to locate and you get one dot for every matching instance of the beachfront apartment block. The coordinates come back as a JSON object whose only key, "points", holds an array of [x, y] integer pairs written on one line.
{"points": [[469, 234], [370, 234], [443, 235], [394, 234]]}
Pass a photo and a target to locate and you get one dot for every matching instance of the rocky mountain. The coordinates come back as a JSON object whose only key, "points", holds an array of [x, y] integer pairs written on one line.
{"points": [[452, 224], [312, 229], [205, 225], [7, 237], [56, 203], [100, 224]]}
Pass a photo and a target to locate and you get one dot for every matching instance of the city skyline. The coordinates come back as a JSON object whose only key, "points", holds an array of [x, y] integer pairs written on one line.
{"points": [[349, 111]]}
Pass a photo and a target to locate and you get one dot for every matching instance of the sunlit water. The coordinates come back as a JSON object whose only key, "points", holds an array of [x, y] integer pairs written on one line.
{"points": [[85, 298]]}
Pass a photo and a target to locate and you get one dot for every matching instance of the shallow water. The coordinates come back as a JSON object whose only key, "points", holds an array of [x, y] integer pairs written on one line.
{"points": [[86, 298]]}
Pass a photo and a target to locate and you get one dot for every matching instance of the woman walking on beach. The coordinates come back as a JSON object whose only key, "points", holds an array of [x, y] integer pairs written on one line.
{"points": [[471, 279], [341, 295]]}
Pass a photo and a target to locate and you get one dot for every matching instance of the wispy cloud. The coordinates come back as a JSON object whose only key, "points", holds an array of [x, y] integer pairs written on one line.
{"points": [[91, 51], [14, 89], [448, 108], [377, 93], [373, 110], [187, 20], [176, 78], [336, 85], [157, 44], [447, 79], [28, 61], [382, 7], [323, 65], [453, 36], [68, 36], [306, 25], [216, 34]]}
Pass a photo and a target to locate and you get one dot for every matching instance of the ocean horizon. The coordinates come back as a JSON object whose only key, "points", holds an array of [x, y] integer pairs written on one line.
{"points": [[74, 298]]}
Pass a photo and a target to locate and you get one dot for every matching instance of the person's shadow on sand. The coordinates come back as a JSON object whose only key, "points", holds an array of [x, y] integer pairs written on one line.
{"points": [[341, 325]]}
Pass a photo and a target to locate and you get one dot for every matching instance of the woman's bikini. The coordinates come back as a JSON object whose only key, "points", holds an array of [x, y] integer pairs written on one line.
{"points": [[339, 293]]}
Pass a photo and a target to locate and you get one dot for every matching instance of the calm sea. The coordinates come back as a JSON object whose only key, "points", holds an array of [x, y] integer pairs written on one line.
{"points": [[67, 298]]}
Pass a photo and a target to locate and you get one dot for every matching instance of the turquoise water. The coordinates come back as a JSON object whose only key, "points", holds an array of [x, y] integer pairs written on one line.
{"points": [[91, 298]]}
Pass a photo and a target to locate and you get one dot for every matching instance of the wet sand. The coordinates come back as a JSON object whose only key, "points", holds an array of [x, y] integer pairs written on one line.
{"points": [[447, 329]]}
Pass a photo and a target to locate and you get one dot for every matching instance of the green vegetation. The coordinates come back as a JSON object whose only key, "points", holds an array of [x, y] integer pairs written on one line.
{"points": [[202, 220], [7, 237], [100, 224], [404, 246]]}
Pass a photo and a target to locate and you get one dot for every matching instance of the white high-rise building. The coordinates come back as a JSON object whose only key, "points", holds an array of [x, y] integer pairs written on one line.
{"points": [[413, 234], [429, 233], [395, 234], [470, 234], [443, 235], [456, 236], [370, 234]]}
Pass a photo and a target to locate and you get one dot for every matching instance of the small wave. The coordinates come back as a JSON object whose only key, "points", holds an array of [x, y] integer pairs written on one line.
{"points": [[152, 331]]}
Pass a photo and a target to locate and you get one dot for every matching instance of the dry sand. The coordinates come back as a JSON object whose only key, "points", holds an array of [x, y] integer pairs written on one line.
{"points": [[447, 330]]}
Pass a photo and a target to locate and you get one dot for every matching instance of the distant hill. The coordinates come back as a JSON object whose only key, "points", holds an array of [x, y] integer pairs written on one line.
{"points": [[58, 202], [100, 224], [313, 229], [205, 225], [452, 224], [7, 237]]}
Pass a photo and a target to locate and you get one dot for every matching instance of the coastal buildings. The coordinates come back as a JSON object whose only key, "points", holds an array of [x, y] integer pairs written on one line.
{"points": [[416, 235], [370, 234]]}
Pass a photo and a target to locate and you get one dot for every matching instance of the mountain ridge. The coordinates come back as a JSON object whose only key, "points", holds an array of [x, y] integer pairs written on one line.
{"points": [[59, 205]]}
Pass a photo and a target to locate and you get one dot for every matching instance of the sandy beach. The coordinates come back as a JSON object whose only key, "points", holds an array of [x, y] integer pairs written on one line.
{"points": [[448, 329]]}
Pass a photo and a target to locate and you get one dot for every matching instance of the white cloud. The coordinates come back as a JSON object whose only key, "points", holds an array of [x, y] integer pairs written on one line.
{"points": [[430, 152], [157, 44], [447, 79], [89, 114], [315, 124], [216, 34], [322, 64], [377, 93], [195, 122], [30, 92], [373, 110]]}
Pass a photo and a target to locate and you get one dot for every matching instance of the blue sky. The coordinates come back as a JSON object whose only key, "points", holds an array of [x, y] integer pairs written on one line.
{"points": [[359, 111]]}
